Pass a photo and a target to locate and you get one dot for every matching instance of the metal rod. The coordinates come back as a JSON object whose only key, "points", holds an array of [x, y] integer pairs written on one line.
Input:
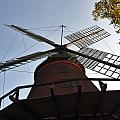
{"points": [[62, 26]]}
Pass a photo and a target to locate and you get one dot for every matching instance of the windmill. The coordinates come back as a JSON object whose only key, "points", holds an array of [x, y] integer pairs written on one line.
{"points": [[70, 65]]}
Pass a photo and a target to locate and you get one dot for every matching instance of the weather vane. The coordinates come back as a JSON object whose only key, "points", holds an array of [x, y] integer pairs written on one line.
{"points": [[109, 9]]}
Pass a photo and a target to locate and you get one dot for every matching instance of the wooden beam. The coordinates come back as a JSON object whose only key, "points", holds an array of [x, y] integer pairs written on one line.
{"points": [[78, 117], [55, 103], [99, 106]]}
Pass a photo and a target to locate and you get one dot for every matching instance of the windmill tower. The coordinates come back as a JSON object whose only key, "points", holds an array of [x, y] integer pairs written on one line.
{"points": [[61, 89]]}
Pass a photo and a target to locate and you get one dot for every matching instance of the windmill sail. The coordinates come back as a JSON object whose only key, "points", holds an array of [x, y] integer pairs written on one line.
{"points": [[83, 39], [25, 59], [104, 69], [32, 35], [87, 36], [99, 61]]}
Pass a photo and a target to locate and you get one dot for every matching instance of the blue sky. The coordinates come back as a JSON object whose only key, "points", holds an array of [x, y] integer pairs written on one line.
{"points": [[45, 13]]}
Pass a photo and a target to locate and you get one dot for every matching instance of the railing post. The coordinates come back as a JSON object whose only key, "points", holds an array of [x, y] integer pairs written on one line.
{"points": [[103, 90], [55, 103], [17, 94], [78, 116]]}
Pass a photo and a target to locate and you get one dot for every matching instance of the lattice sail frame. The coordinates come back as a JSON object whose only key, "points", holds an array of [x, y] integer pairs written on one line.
{"points": [[87, 36], [13, 63], [91, 35], [100, 67]]}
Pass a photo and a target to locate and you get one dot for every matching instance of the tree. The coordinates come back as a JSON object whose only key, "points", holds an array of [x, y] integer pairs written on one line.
{"points": [[109, 9]]}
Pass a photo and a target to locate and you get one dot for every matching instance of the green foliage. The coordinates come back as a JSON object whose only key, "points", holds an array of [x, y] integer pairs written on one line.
{"points": [[109, 9]]}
